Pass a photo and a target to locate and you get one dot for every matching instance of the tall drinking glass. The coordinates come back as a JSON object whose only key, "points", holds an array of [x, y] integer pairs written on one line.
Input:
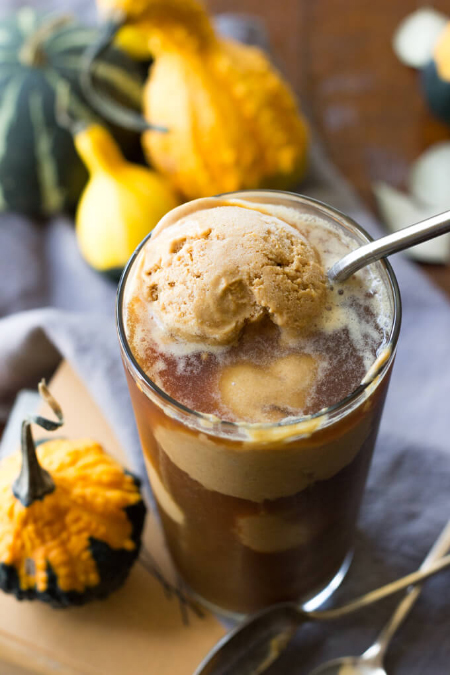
{"points": [[255, 514]]}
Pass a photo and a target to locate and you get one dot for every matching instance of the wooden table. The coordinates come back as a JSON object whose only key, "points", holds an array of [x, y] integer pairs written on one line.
{"points": [[366, 105]]}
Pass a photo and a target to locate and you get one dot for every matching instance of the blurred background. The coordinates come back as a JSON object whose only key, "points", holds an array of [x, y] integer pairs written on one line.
{"points": [[367, 106]]}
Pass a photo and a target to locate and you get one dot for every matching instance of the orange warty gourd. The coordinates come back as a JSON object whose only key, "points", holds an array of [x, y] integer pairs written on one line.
{"points": [[71, 518], [233, 122]]}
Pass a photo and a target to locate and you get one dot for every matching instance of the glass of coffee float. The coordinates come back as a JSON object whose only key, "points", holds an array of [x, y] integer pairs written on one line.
{"points": [[258, 389]]}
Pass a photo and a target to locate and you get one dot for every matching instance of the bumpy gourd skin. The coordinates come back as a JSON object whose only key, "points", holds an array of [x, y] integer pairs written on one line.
{"points": [[79, 542], [175, 18], [233, 122]]}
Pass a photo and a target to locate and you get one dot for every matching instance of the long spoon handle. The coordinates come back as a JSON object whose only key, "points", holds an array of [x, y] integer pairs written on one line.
{"points": [[392, 243], [383, 592], [376, 653]]}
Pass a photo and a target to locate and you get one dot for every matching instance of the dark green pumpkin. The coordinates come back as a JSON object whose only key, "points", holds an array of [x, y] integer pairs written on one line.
{"points": [[40, 55]]}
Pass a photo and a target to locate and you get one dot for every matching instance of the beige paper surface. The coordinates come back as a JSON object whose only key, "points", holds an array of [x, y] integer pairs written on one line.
{"points": [[138, 629]]}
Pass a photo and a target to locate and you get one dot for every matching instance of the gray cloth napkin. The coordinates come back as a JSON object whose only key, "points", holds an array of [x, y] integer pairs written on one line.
{"points": [[52, 305]]}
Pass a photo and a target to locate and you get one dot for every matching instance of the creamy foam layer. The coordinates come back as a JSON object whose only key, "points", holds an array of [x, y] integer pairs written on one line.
{"points": [[258, 472]]}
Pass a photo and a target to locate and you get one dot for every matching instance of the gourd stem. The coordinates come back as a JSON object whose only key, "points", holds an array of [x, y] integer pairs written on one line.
{"points": [[34, 482], [32, 53], [107, 107]]}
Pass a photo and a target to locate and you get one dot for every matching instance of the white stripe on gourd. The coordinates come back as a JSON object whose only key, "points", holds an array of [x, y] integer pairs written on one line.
{"points": [[52, 196], [73, 28], [109, 73], [123, 81], [66, 42], [7, 114], [78, 109]]}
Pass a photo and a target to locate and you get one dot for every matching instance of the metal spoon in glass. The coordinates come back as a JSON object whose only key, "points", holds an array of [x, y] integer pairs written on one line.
{"points": [[371, 662], [254, 645], [392, 243]]}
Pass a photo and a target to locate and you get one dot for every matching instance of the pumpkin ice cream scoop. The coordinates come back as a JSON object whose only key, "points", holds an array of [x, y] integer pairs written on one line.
{"points": [[211, 271]]}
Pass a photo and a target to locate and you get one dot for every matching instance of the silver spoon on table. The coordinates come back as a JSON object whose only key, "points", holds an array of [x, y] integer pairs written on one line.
{"points": [[392, 243], [254, 645], [371, 662]]}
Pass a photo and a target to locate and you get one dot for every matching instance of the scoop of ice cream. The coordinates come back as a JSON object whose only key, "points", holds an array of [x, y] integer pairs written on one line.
{"points": [[217, 269]]}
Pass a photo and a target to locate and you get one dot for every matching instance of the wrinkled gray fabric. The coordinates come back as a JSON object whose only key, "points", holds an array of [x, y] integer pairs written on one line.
{"points": [[53, 305]]}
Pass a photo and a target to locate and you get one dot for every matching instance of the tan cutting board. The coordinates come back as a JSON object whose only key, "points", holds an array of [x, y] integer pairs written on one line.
{"points": [[139, 629]]}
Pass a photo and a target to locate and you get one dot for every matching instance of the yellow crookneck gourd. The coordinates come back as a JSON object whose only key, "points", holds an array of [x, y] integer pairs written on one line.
{"points": [[71, 518], [233, 123], [120, 205]]}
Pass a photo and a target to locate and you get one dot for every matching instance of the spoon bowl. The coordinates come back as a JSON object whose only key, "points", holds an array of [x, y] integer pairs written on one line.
{"points": [[256, 643], [259, 640]]}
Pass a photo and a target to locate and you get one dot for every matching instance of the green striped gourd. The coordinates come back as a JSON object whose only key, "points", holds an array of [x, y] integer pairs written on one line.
{"points": [[42, 55]]}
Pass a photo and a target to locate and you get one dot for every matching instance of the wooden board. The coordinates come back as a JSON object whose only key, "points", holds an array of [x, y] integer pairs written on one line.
{"points": [[139, 629]]}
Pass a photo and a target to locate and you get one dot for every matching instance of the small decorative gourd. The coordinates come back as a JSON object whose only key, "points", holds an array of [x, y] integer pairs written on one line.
{"points": [[40, 172], [435, 77], [70, 523], [422, 41], [232, 122], [120, 205]]}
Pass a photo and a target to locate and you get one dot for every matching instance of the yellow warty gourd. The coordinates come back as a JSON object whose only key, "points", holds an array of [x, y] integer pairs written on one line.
{"points": [[120, 205], [233, 123]]}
